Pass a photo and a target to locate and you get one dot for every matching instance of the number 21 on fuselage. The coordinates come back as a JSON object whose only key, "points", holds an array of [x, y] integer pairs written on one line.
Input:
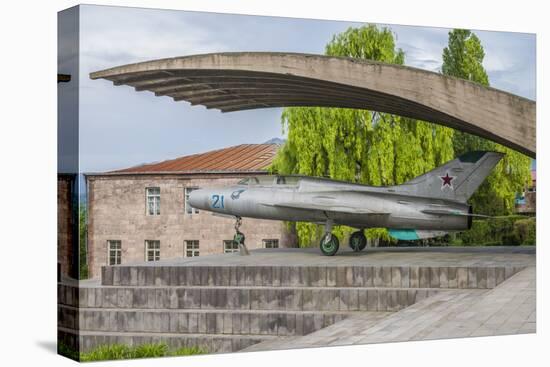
{"points": [[217, 202]]}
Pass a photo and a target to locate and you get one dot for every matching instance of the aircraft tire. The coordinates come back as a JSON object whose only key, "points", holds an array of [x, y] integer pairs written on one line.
{"points": [[239, 238], [357, 241], [330, 247]]}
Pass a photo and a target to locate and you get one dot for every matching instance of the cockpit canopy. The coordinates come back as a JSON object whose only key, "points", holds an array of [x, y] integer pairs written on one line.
{"points": [[270, 180]]}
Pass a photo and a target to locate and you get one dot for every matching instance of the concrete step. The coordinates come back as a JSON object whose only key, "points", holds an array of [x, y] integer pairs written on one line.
{"points": [[505, 310], [84, 341], [308, 276], [244, 298], [249, 322]]}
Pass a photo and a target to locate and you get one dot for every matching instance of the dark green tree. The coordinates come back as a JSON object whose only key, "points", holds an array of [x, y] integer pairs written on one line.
{"points": [[463, 58], [359, 145]]}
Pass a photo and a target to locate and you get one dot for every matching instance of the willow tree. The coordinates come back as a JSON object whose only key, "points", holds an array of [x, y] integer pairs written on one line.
{"points": [[359, 145], [463, 58]]}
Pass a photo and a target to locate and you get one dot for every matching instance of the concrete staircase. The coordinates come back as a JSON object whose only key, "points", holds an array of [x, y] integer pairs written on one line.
{"points": [[228, 308]]}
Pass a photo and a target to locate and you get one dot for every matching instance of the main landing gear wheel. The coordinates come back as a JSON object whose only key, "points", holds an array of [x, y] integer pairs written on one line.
{"points": [[329, 244], [357, 241]]}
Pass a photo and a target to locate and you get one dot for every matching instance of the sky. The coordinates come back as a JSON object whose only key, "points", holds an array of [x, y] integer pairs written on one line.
{"points": [[120, 127]]}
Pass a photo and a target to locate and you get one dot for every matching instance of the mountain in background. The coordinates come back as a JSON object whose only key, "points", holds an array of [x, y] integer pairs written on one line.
{"points": [[277, 141]]}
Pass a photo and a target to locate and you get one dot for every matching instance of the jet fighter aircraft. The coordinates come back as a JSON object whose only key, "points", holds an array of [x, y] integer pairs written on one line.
{"points": [[429, 205]]}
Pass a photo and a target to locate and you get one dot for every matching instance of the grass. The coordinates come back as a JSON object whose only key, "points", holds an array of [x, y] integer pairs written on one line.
{"points": [[120, 351], [66, 351]]}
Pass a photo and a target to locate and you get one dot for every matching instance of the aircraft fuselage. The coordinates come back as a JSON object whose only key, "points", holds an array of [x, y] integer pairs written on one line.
{"points": [[315, 200]]}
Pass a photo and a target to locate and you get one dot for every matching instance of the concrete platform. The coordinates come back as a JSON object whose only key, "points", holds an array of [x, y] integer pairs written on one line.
{"points": [[380, 256], [382, 268], [280, 297]]}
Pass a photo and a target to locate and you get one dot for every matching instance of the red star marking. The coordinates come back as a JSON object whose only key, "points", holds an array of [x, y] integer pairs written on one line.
{"points": [[446, 180]]}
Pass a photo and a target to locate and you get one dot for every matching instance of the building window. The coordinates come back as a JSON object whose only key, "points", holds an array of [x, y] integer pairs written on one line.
{"points": [[271, 243], [152, 250], [192, 248], [114, 251], [153, 200], [188, 208], [230, 246]]}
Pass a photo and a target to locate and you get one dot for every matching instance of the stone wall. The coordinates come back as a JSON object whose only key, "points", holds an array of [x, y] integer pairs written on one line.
{"points": [[117, 211], [529, 203], [225, 307], [65, 224]]}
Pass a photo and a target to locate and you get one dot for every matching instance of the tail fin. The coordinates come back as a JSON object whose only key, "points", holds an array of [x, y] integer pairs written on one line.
{"points": [[458, 179]]}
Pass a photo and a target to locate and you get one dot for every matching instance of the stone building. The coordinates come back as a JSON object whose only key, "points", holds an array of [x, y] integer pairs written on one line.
{"points": [[527, 202], [67, 230], [141, 213]]}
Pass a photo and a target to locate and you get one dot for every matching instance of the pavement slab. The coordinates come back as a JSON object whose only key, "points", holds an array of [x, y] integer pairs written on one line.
{"points": [[510, 308]]}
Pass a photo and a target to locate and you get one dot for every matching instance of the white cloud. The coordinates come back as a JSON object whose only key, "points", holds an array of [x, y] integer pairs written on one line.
{"points": [[510, 61], [423, 58], [494, 62], [122, 35], [423, 46]]}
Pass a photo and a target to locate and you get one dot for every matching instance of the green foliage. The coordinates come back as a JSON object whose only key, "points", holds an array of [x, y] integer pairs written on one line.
{"points": [[64, 350], [381, 234], [188, 351], [149, 350], [83, 232], [367, 42], [119, 351], [308, 233], [107, 352], [525, 231], [359, 145], [510, 230], [463, 58]]}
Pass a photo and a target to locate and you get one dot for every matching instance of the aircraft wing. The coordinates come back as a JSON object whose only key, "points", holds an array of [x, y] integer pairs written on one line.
{"points": [[412, 234], [453, 212], [326, 208]]}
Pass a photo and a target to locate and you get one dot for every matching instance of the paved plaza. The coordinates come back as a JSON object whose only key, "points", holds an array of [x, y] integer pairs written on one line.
{"points": [[507, 309]]}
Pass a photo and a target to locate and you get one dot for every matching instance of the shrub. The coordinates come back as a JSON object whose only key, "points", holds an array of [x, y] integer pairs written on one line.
{"points": [[64, 350], [149, 350], [510, 230], [107, 352], [525, 231], [187, 351], [477, 235], [119, 351]]}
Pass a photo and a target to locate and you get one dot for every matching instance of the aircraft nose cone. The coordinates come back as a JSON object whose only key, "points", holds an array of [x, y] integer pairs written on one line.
{"points": [[198, 199]]}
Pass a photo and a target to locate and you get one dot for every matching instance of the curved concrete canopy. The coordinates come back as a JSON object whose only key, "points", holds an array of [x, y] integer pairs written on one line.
{"points": [[250, 80]]}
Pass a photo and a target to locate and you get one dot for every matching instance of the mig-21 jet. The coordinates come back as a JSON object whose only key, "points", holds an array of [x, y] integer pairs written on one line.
{"points": [[429, 205]]}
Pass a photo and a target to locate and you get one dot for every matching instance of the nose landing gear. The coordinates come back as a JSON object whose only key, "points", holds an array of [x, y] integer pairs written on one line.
{"points": [[239, 238]]}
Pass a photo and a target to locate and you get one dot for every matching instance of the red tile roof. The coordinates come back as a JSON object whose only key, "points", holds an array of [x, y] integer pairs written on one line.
{"points": [[240, 158]]}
